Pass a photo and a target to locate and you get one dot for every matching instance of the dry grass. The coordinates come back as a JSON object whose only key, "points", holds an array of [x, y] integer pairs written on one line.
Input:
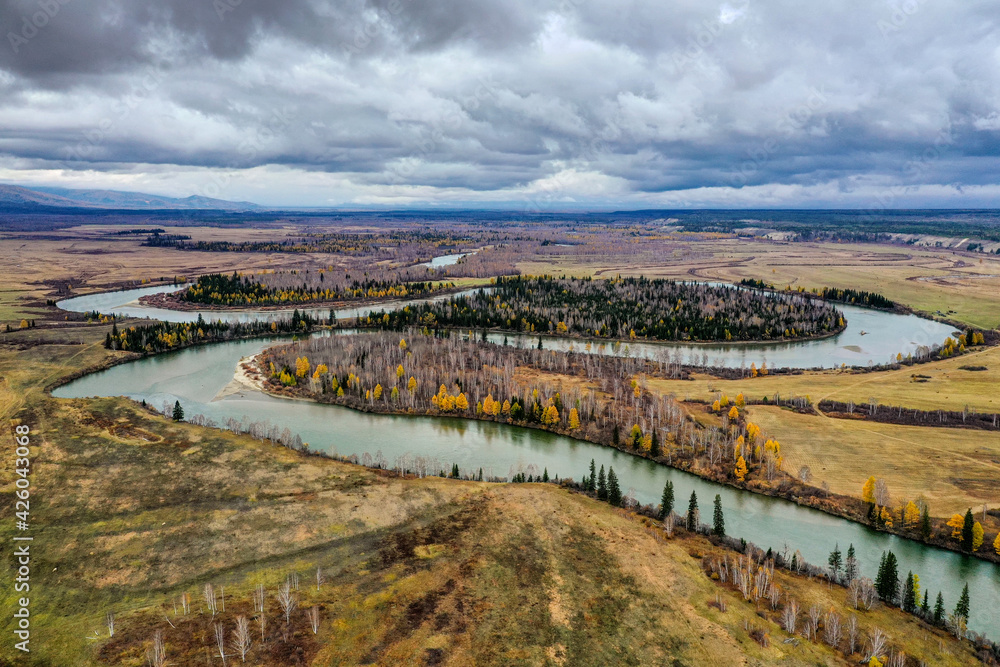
{"points": [[947, 386], [952, 468]]}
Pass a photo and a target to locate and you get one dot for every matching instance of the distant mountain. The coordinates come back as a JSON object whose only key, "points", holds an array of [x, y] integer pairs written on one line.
{"points": [[21, 197]]}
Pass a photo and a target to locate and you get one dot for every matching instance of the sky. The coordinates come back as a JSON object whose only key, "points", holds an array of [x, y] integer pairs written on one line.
{"points": [[532, 104]]}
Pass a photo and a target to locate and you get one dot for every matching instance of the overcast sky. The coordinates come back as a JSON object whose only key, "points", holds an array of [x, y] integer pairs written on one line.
{"points": [[542, 104]]}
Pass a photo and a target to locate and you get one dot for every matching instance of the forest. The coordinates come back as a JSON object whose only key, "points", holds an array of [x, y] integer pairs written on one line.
{"points": [[595, 398], [840, 295], [626, 308], [285, 287], [164, 336]]}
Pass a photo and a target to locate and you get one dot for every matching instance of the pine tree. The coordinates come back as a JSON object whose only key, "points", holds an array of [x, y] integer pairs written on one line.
{"points": [[592, 480], [835, 561], [615, 436], [666, 501], [718, 520], [614, 491], [909, 595], [925, 608], [962, 608], [545, 475], [654, 446], [454, 471], [925, 523], [850, 565], [602, 486], [178, 412], [692, 515], [887, 581], [939, 609], [967, 535]]}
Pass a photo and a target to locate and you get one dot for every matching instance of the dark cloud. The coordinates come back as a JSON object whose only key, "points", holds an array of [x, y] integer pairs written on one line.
{"points": [[583, 99]]}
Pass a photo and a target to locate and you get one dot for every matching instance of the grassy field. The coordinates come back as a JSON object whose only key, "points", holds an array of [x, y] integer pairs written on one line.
{"points": [[946, 385], [953, 469], [961, 285]]}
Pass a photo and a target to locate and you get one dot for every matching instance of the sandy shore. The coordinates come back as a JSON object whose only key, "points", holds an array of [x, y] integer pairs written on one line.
{"points": [[247, 376]]}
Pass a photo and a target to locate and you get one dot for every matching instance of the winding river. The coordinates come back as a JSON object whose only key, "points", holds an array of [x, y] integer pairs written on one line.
{"points": [[201, 379]]}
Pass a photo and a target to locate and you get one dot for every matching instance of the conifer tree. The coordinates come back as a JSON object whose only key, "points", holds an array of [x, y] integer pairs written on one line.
{"points": [[835, 561], [614, 491], [692, 515], [718, 520], [925, 608], [939, 609], [967, 534], [654, 446], [545, 475], [178, 412], [666, 501], [925, 523], [602, 487], [887, 582], [850, 565], [592, 480], [909, 595], [962, 608]]}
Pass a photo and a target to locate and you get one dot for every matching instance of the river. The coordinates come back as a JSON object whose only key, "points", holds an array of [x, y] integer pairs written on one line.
{"points": [[197, 377]]}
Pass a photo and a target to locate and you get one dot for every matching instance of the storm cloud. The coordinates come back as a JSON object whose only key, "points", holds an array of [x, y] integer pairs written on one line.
{"points": [[507, 102]]}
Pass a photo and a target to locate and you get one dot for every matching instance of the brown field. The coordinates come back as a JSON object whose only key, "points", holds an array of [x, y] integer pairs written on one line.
{"points": [[953, 469], [946, 386]]}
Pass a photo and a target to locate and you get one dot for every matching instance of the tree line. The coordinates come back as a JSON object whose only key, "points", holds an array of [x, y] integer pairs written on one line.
{"points": [[163, 336], [838, 294], [285, 287], [626, 308]]}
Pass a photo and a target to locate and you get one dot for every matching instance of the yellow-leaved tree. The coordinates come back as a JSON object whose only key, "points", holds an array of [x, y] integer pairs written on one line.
{"points": [[302, 366], [399, 371], [977, 536], [741, 469], [412, 384], [996, 544], [574, 419], [956, 522], [911, 514], [462, 403], [734, 414], [868, 491]]}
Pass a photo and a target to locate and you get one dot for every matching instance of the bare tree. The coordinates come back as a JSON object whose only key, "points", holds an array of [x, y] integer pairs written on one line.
{"points": [[668, 524], [262, 622], [313, 615], [897, 659], [185, 603], [320, 579], [156, 656], [852, 634], [220, 641], [287, 600], [877, 643], [861, 593], [881, 492], [813, 624], [832, 629], [790, 617], [258, 597], [209, 592], [110, 621], [241, 637]]}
